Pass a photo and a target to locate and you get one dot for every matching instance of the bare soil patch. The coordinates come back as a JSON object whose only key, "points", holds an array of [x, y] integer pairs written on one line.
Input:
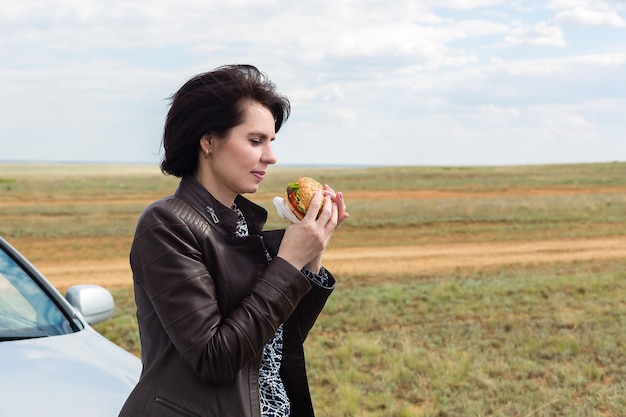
{"points": [[380, 261], [352, 195], [428, 259], [509, 192], [71, 261]]}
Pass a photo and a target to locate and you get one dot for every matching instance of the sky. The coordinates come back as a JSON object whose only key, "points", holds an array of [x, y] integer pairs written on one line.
{"points": [[371, 82]]}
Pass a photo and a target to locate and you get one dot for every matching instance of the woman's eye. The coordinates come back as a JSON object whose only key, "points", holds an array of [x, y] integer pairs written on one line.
{"points": [[256, 141]]}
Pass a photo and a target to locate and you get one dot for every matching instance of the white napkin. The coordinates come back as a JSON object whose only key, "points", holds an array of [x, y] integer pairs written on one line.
{"points": [[284, 211]]}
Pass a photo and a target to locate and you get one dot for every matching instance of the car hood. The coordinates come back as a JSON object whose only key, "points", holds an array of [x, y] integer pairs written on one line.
{"points": [[69, 375]]}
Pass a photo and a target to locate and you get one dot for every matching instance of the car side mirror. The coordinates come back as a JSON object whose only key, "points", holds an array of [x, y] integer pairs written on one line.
{"points": [[93, 302]]}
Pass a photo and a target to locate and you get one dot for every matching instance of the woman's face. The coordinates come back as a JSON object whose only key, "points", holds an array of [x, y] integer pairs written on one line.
{"points": [[237, 162]]}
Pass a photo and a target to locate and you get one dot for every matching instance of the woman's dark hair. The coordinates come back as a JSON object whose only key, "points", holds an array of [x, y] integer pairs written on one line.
{"points": [[213, 102]]}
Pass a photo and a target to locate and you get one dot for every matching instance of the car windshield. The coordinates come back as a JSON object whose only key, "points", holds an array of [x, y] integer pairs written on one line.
{"points": [[26, 311]]}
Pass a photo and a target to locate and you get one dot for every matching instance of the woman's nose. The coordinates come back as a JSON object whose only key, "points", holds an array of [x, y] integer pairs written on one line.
{"points": [[269, 156]]}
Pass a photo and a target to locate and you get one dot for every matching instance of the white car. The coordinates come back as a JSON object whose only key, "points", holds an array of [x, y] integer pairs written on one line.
{"points": [[52, 362]]}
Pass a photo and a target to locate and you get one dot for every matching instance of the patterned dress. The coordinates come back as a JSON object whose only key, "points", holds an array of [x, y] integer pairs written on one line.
{"points": [[272, 393]]}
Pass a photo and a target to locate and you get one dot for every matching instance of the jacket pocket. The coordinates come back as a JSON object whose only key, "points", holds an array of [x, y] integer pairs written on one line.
{"points": [[173, 409]]}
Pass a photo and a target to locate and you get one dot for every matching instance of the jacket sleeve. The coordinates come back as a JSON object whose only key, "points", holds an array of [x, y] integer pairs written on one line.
{"points": [[168, 265], [310, 307]]}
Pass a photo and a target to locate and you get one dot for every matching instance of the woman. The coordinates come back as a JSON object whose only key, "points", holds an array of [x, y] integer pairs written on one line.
{"points": [[224, 307]]}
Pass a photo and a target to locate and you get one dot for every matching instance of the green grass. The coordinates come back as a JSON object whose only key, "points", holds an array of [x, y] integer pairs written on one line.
{"points": [[471, 178], [539, 340], [105, 200], [500, 343], [131, 181], [122, 329]]}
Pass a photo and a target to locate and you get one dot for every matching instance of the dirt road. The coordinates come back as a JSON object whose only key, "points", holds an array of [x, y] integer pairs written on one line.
{"points": [[419, 260]]}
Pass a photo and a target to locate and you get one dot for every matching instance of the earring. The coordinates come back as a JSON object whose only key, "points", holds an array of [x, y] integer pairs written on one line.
{"points": [[206, 154]]}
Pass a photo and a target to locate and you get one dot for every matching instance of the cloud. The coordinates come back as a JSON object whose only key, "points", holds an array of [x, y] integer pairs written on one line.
{"points": [[543, 34], [467, 4], [373, 81], [589, 12], [559, 65], [586, 17]]}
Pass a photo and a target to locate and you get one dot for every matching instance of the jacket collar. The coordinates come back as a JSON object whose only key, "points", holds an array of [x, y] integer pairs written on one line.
{"points": [[220, 217]]}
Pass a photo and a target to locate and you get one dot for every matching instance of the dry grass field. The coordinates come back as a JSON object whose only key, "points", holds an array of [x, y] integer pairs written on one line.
{"points": [[487, 291], [70, 260]]}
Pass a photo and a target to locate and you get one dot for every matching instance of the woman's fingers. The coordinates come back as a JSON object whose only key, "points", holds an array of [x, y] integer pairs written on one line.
{"points": [[342, 214], [337, 198], [307, 240]]}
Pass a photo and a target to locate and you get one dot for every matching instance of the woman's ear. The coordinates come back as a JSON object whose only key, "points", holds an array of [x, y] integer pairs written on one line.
{"points": [[207, 143]]}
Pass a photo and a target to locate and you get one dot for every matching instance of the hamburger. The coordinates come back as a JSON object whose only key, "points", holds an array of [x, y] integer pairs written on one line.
{"points": [[300, 194]]}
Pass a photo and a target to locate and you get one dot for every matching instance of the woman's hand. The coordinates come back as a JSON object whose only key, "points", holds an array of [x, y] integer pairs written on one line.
{"points": [[304, 242], [337, 198]]}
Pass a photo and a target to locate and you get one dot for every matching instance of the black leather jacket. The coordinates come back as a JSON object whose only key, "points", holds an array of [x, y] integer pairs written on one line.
{"points": [[208, 303]]}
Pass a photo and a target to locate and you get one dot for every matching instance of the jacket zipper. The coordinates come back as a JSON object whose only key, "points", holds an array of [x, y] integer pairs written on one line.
{"points": [[210, 210], [174, 407]]}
